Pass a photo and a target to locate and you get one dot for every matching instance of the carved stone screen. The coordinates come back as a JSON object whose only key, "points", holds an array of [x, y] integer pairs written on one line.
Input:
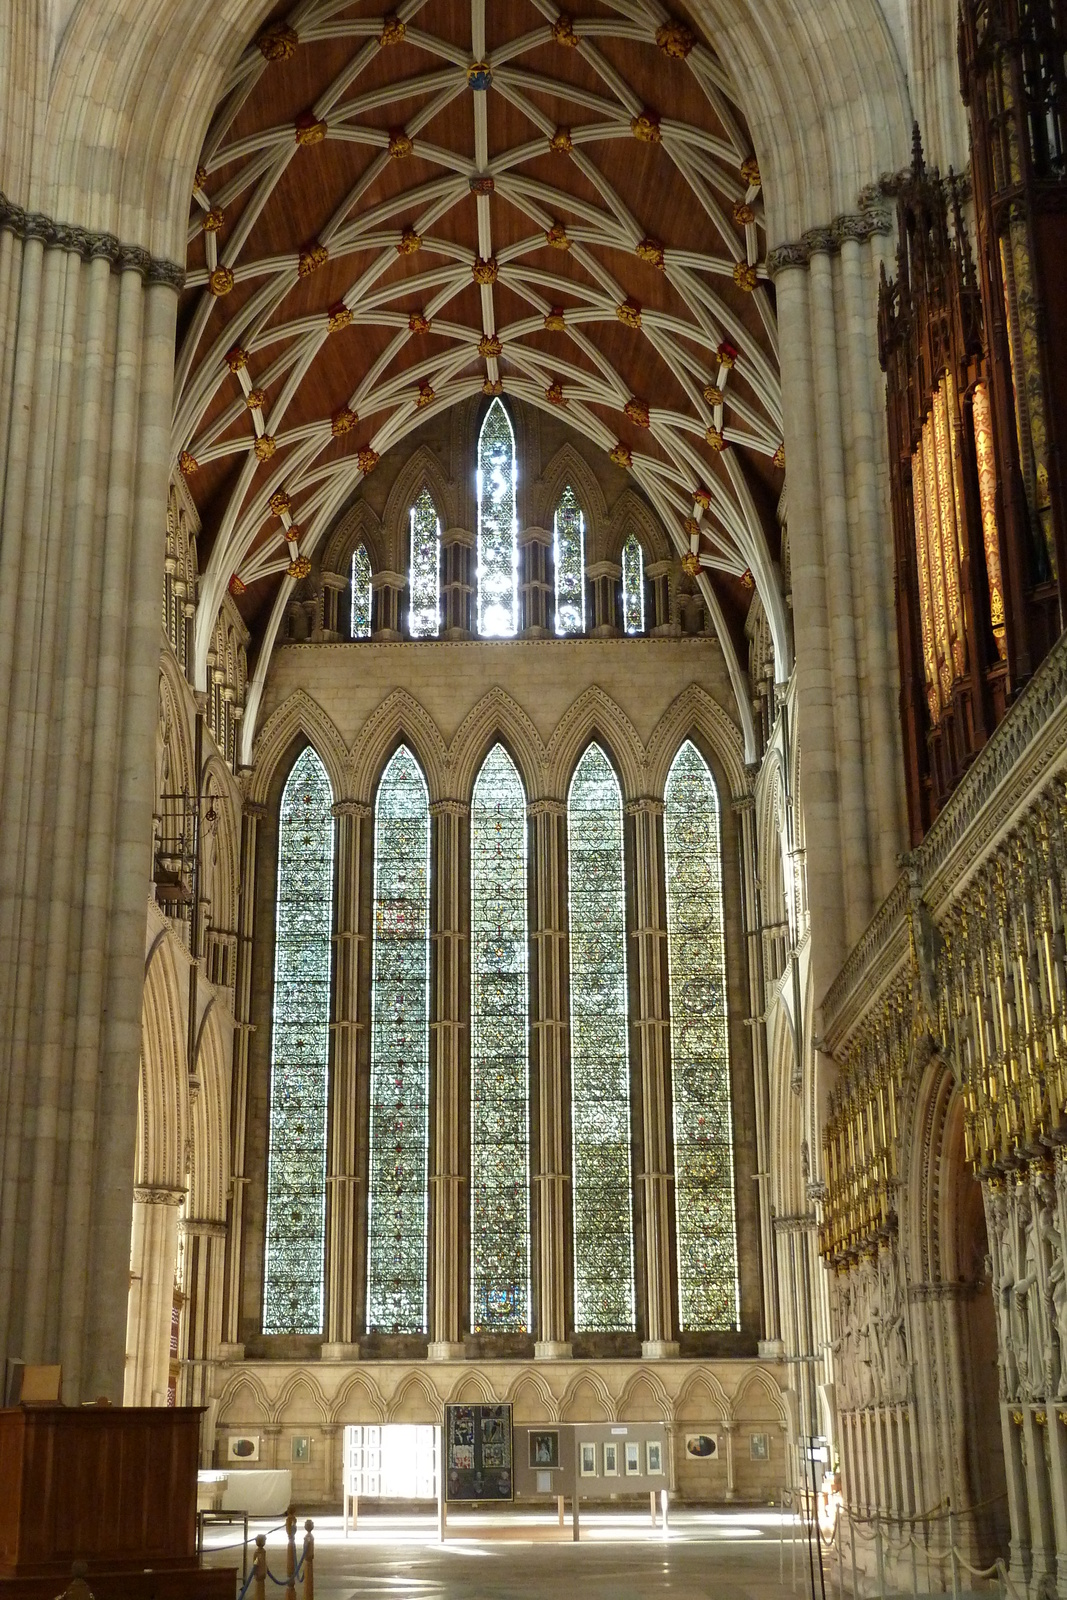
{"points": [[361, 594], [569, 532], [424, 582], [300, 1054], [600, 1064], [633, 585], [400, 1051], [498, 533], [700, 1056], [500, 1160]]}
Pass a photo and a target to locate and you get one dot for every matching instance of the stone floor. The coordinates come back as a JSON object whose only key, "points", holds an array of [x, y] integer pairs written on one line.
{"points": [[705, 1555]]}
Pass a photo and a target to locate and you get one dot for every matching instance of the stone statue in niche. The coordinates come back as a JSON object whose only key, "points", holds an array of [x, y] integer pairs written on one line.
{"points": [[842, 1345], [999, 1226], [1030, 1329], [863, 1334], [892, 1330]]}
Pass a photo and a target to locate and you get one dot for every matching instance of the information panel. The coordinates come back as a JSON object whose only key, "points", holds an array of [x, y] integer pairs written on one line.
{"points": [[478, 1454]]}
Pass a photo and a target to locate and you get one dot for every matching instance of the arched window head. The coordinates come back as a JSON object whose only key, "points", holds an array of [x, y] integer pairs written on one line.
{"points": [[700, 1053], [498, 527], [300, 1054], [361, 594], [633, 585], [500, 1087], [600, 1058], [400, 1051], [569, 549], [424, 570]]}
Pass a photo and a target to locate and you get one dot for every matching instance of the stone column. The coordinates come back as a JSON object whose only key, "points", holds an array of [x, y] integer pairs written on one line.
{"points": [[87, 330], [550, 1024], [153, 1260], [457, 584], [537, 583], [449, 1021], [203, 1284], [650, 1026], [242, 1000], [604, 578], [658, 619], [387, 605], [346, 1216]]}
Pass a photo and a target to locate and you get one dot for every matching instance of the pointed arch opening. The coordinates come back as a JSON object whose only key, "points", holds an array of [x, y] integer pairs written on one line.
{"points": [[424, 569], [700, 1051], [500, 1085], [633, 585], [600, 1058], [361, 593], [400, 1051], [294, 1278], [568, 528], [498, 527]]}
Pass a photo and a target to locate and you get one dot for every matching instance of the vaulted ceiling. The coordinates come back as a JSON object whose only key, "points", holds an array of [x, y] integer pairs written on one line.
{"points": [[394, 212]]}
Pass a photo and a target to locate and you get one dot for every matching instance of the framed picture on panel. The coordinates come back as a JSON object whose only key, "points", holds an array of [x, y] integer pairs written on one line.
{"points": [[588, 1460], [654, 1458], [611, 1461], [633, 1459]]}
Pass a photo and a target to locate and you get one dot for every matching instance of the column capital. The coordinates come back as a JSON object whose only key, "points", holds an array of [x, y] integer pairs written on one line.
{"points": [[254, 808], [202, 1228], [644, 805], [460, 536], [158, 1195], [450, 808], [547, 806], [351, 808]]}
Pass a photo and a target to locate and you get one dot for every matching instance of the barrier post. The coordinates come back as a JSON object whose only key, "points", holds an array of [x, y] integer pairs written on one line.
{"points": [[880, 1555], [952, 1553], [259, 1568], [309, 1560], [852, 1542], [290, 1556]]}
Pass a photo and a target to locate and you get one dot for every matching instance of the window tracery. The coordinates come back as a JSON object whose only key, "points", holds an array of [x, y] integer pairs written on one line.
{"points": [[400, 1051], [569, 538], [500, 1161], [700, 1056], [498, 545], [360, 582], [600, 1065], [300, 1054], [633, 585], [424, 570]]}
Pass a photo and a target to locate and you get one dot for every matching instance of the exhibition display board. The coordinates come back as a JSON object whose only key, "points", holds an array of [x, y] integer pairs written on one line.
{"points": [[389, 1461], [478, 1462]]}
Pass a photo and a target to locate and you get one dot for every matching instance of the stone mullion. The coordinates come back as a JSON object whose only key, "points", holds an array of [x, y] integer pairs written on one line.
{"points": [[650, 990], [345, 1245], [203, 1284], [153, 1258], [242, 997], [448, 1023], [549, 993]]}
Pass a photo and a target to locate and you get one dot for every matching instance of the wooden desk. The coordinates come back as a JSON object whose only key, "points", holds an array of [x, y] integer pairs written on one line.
{"points": [[109, 1485]]}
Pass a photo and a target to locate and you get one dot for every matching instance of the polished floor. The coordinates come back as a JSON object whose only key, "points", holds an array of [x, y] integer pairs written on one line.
{"points": [[721, 1554]]}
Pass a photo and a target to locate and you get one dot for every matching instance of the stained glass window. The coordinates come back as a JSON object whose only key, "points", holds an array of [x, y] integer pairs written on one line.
{"points": [[700, 1058], [361, 594], [424, 580], [569, 530], [400, 1051], [498, 530], [300, 1054], [500, 1161], [600, 1066], [633, 585]]}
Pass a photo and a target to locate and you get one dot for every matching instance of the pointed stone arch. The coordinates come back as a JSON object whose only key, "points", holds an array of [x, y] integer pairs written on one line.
{"points": [[421, 470], [358, 526], [415, 1400], [222, 849], [496, 718], [645, 1399], [301, 1400], [532, 1399], [358, 1400], [244, 1402], [472, 1388], [695, 714], [163, 1097], [756, 1390], [587, 1399], [631, 513], [399, 719], [569, 466], [298, 715], [595, 716], [209, 1169], [702, 1398]]}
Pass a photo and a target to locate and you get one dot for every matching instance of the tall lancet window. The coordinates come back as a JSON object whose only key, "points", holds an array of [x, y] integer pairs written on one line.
{"points": [[600, 1063], [700, 1056], [400, 1051], [569, 550], [633, 585], [361, 594], [500, 1159], [498, 527], [300, 1054], [424, 571]]}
